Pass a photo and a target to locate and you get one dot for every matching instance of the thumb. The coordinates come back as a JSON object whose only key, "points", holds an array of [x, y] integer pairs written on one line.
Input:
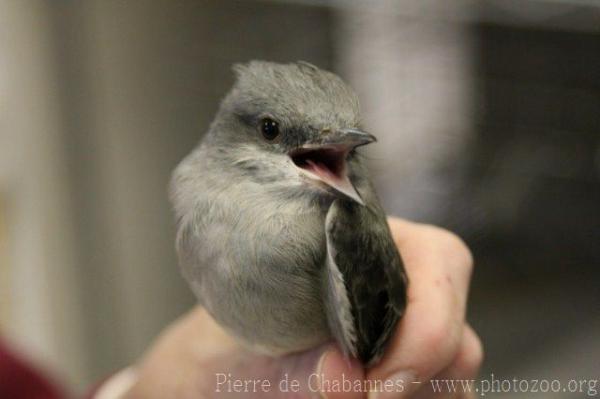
{"points": [[323, 372]]}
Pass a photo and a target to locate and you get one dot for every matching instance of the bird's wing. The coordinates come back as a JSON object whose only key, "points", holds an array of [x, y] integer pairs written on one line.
{"points": [[366, 282]]}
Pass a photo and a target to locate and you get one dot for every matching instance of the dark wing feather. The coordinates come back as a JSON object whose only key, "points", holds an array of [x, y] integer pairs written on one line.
{"points": [[364, 258]]}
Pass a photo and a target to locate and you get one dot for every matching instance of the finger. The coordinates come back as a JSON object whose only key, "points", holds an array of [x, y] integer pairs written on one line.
{"points": [[319, 373], [416, 241], [323, 372], [313, 374], [458, 379], [427, 338], [203, 361], [468, 360], [339, 377]]}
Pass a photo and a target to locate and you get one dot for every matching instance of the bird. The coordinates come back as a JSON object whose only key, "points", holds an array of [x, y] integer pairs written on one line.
{"points": [[280, 233]]}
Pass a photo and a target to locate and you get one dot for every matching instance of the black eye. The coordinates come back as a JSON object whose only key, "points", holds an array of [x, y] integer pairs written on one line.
{"points": [[269, 129]]}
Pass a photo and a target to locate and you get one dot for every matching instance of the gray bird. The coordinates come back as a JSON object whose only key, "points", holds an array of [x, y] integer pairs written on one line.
{"points": [[280, 233]]}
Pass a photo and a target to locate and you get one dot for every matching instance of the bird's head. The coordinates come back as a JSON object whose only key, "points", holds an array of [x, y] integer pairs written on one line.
{"points": [[292, 122]]}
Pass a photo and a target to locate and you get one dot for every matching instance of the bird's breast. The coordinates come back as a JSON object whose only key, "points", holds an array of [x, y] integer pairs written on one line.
{"points": [[270, 267]]}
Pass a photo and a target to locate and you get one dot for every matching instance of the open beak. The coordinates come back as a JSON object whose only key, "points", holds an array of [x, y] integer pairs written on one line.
{"points": [[324, 159]]}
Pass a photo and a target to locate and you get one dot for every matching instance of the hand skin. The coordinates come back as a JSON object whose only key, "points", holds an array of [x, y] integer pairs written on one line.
{"points": [[432, 340]]}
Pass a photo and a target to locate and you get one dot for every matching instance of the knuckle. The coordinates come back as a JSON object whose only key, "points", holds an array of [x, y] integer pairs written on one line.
{"points": [[477, 352], [452, 246], [438, 339], [474, 353]]}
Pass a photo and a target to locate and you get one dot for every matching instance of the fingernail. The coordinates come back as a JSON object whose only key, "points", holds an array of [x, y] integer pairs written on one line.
{"points": [[321, 361], [397, 386], [319, 371]]}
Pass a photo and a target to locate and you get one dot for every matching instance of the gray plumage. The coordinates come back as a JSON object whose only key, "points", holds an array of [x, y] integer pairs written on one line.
{"points": [[281, 236]]}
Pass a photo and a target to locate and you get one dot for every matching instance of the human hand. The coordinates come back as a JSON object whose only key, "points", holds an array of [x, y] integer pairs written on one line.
{"points": [[433, 340], [195, 358]]}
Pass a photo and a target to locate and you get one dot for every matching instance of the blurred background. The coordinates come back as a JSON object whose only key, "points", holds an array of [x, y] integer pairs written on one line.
{"points": [[488, 115]]}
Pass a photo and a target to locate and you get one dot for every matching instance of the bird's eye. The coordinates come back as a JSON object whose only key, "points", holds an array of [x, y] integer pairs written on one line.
{"points": [[269, 129]]}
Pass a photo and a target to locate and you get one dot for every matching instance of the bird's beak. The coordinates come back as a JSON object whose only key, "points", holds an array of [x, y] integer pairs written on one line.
{"points": [[324, 159]]}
